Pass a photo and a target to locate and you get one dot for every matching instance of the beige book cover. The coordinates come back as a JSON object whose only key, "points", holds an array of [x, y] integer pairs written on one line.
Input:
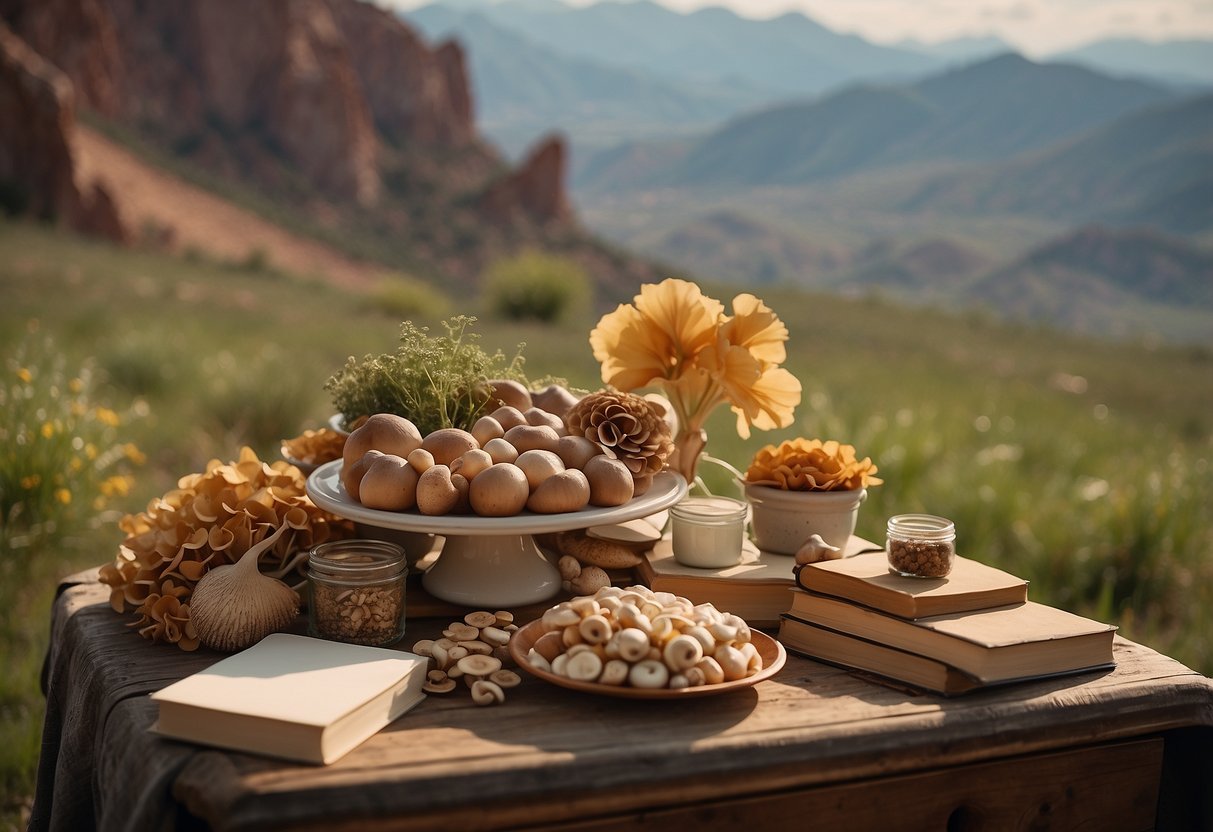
{"points": [[1009, 642], [866, 579], [294, 697]]}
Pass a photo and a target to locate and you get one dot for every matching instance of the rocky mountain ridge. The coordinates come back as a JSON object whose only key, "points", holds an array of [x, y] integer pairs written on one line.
{"points": [[335, 110]]}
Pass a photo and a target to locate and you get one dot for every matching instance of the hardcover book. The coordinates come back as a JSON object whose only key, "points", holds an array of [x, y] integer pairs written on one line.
{"points": [[866, 579], [293, 697], [758, 589], [861, 654], [998, 644]]}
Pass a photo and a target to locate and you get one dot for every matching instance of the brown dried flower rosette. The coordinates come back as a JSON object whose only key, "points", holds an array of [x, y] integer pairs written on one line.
{"points": [[209, 520], [626, 426], [811, 465]]}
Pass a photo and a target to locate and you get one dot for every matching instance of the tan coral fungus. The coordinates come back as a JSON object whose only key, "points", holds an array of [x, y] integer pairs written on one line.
{"points": [[211, 519]]}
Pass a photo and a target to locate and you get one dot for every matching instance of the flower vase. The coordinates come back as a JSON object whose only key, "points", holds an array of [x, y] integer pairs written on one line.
{"points": [[783, 520]]}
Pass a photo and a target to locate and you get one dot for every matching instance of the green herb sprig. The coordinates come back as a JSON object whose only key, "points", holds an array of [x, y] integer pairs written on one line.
{"points": [[435, 381]]}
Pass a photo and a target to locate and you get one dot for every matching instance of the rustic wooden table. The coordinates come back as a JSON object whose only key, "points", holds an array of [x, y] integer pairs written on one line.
{"points": [[814, 747]]}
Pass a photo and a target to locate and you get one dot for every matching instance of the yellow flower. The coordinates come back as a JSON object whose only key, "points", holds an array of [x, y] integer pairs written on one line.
{"points": [[48, 430], [75, 385], [30, 482], [107, 417], [669, 323], [25, 375], [63, 495], [674, 336], [132, 452]]}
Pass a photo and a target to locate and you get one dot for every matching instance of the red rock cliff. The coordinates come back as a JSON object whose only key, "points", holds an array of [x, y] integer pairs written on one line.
{"points": [[36, 123]]}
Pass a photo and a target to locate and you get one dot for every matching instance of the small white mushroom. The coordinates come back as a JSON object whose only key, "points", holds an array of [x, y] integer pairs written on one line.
{"points": [[571, 636], [559, 664], [505, 679], [559, 617], [711, 670], [487, 693], [679, 681], [475, 665], [477, 647], [422, 648], [705, 639], [480, 618], [633, 644], [595, 629], [694, 676], [614, 672], [648, 674], [731, 662], [584, 667], [682, 652], [457, 652], [445, 686], [439, 654], [536, 660], [495, 636]]}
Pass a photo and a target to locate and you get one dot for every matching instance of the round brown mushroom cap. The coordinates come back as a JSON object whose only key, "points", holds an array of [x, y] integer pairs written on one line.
{"points": [[385, 432], [475, 664]]}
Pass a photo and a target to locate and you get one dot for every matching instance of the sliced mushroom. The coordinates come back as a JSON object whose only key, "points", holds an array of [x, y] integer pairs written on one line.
{"points": [[505, 679], [479, 619]]}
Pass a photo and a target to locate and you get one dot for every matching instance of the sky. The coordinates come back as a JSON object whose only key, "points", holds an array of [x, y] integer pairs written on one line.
{"points": [[1037, 27]]}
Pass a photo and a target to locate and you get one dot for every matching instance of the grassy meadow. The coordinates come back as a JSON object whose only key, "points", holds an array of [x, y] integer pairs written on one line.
{"points": [[1082, 466]]}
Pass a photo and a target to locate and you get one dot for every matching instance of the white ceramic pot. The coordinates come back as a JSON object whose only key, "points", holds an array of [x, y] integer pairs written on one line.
{"points": [[784, 520]]}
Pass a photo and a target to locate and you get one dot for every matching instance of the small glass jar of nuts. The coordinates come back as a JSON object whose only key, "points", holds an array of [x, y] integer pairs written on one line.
{"points": [[921, 545], [357, 591]]}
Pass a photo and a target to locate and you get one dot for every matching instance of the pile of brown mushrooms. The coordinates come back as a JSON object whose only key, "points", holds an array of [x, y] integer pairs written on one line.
{"points": [[509, 461], [474, 649]]}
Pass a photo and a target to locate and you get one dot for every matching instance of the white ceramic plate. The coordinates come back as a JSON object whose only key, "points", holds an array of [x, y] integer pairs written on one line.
{"points": [[772, 652], [325, 489]]}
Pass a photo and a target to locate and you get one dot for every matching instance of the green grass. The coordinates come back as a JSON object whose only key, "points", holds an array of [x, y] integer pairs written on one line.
{"points": [[1082, 466]]}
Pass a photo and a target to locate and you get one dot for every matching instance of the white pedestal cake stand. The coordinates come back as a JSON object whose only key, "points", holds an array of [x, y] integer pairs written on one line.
{"points": [[490, 561]]}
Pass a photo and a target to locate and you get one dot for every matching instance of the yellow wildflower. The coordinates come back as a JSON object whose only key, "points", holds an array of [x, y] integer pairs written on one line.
{"points": [[31, 481], [47, 430], [107, 417], [132, 452], [25, 375], [63, 495]]}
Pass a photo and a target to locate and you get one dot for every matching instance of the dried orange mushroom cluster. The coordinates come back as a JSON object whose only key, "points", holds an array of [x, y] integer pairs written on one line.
{"points": [[510, 460], [211, 519], [811, 465], [644, 639], [314, 447]]}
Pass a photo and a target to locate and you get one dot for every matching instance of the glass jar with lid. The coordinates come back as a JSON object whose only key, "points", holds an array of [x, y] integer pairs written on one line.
{"points": [[921, 545], [708, 532], [357, 591]]}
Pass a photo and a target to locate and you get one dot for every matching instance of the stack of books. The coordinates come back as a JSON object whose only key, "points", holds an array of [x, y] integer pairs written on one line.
{"points": [[973, 629]]}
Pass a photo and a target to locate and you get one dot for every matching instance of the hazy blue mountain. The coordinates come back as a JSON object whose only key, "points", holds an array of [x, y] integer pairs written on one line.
{"points": [[1107, 282], [1176, 61], [983, 111], [787, 56], [524, 89], [959, 49], [1152, 167]]}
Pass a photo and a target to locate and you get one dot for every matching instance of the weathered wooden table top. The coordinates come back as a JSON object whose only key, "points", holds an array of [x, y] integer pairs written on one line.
{"points": [[548, 754]]}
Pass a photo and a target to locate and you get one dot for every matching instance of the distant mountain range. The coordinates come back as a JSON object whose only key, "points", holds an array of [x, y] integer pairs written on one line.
{"points": [[989, 110], [1152, 167], [1087, 281], [614, 71], [1185, 62]]}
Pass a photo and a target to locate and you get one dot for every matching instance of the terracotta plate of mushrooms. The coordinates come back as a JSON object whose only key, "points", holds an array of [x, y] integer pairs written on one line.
{"points": [[772, 653]]}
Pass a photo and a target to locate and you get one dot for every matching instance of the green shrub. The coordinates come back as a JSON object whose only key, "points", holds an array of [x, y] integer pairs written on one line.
{"points": [[536, 286], [403, 297]]}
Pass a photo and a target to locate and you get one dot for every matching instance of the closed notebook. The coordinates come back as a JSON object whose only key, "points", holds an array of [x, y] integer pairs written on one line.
{"points": [[861, 654], [991, 645], [866, 579], [293, 697]]}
